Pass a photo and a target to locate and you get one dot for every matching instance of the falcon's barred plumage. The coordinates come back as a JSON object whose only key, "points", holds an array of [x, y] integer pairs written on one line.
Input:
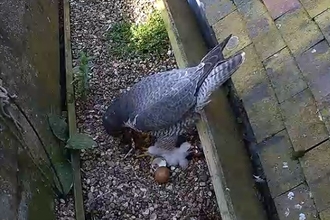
{"points": [[166, 104]]}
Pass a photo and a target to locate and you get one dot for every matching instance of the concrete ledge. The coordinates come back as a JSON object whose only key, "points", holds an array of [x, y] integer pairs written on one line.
{"points": [[222, 142]]}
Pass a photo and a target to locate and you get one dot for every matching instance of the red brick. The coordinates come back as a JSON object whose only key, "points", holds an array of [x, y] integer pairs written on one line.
{"points": [[281, 171], [216, 9], [299, 31], [315, 66], [279, 7], [232, 24], [284, 75], [251, 73], [315, 7], [324, 107], [323, 20], [296, 201], [252, 9], [261, 28], [316, 162], [320, 190], [325, 214], [301, 118], [263, 111]]}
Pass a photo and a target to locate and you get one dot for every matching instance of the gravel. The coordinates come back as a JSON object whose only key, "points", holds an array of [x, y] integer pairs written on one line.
{"points": [[116, 187]]}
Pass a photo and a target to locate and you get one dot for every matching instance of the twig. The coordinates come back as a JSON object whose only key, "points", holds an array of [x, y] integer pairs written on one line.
{"points": [[128, 153], [132, 148]]}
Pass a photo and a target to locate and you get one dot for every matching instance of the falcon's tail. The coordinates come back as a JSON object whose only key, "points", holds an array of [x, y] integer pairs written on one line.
{"points": [[216, 51], [211, 59], [222, 71]]}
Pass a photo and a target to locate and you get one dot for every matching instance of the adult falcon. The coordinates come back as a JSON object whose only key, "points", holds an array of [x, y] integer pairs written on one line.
{"points": [[168, 103]]}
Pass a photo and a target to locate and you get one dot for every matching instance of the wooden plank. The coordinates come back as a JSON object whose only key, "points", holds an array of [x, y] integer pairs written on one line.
{"points": [[75, 154], [224, 150]]}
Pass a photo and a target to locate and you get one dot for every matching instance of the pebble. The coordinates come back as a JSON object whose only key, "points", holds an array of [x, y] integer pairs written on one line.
{"points": [[203, 177], [169, 187], [146, 212], [153, 216]]}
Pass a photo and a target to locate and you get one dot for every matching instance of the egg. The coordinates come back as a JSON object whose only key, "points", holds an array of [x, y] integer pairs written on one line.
{"points": [[162, 175]]}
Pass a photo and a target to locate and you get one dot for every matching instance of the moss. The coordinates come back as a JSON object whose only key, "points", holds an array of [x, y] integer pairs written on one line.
{"points": [[144, 40]]}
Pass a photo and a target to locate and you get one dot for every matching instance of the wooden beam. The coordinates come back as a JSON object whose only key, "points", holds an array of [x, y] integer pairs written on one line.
{"points": [[75, 154]]}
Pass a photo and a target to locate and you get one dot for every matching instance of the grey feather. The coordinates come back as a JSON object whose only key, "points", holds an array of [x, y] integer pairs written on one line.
{"points": [[165, 103], [178, 128], [211, 59], [220, 74]]}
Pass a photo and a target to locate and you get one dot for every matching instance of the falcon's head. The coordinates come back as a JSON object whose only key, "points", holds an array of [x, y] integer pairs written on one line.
{"points": [[114, 118], [113, 124]]}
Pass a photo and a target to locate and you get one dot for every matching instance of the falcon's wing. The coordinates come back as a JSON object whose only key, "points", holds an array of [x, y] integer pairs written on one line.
{"points": [[161, 100]]}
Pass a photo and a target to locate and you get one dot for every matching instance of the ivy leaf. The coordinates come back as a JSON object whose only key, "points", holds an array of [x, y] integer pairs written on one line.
{"points": [[80, 141], [65, 174], [59, 127]]}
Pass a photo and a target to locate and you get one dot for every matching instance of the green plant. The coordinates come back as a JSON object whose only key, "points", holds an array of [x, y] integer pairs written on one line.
{"points": [[82, 75], [146, 39], [77, 141]]}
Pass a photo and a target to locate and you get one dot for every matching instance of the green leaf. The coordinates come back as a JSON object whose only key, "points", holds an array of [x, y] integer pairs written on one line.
{"points": [[58, 126], [80, 141], [65, 174]]}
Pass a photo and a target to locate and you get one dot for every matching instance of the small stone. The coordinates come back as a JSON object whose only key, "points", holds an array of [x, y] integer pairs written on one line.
{"points": [[90, 196], [169, 187], [203, 177], [145, 212], [153, 216], [202, 184]]}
